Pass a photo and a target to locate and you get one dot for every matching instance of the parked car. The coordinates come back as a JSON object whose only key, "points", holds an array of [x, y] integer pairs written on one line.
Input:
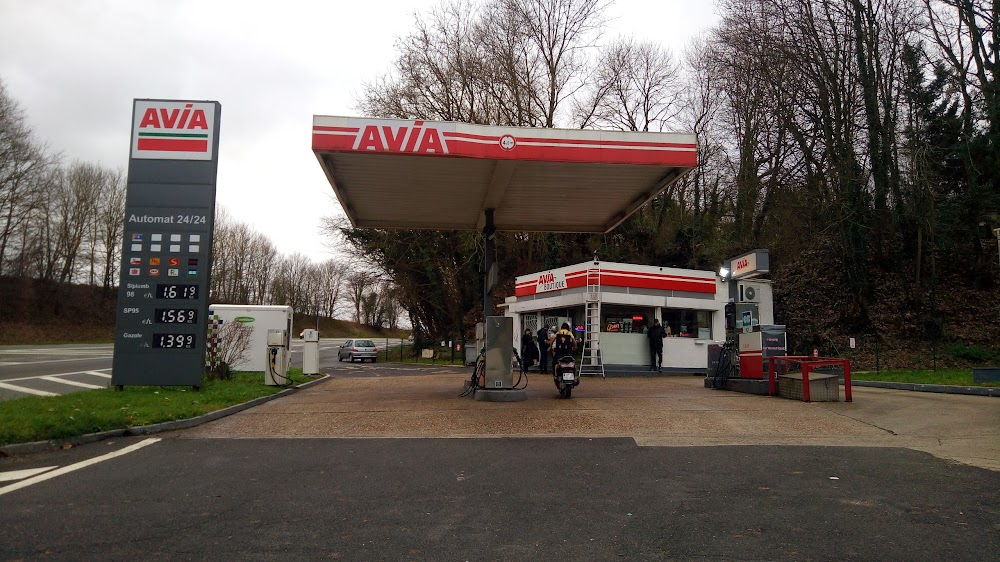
{"points": [[357, 349]]}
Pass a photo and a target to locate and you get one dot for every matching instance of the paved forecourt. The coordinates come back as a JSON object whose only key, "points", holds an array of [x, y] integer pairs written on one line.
{"points": [[662, 411], [374, 464]]}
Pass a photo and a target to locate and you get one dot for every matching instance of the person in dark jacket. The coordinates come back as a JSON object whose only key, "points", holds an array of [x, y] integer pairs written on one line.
{"points": [[656, 335], [528, 349], [543, 348]]}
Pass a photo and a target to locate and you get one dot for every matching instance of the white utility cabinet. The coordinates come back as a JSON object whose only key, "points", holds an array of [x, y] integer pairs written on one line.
{"points": [[260, 318]]}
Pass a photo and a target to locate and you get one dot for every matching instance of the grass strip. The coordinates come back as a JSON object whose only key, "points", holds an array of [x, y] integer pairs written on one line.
{"points": [[405, 354], [40, 418], [956, 377]]}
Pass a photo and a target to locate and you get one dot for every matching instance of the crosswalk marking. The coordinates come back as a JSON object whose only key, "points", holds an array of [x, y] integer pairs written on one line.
{"points": [[69, 382], [26, 390], [12, 475]]}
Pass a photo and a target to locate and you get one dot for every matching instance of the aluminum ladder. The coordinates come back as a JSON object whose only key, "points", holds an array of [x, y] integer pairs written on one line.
{"points": [[591, 362]]}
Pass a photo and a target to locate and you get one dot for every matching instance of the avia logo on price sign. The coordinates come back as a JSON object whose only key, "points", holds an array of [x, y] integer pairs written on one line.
{"points": [[550, 281], [751, 265], [171, 130], [416, 139]]}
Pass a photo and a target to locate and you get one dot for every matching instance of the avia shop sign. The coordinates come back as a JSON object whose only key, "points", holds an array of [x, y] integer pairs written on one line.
{"points": [[173, 130], [551, 281]]}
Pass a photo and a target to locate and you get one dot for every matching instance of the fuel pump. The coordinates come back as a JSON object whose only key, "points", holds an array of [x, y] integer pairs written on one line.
{"points": [[310, 352], [278, 357]]}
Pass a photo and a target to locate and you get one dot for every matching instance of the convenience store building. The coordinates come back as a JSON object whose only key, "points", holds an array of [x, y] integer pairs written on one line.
{"points": [[691, 305]]}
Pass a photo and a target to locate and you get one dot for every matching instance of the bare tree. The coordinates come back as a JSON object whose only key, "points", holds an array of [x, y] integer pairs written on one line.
{"points": [[360, 284], [23, 170], [111, 223], [75, 208], [333, 276], [260, 267], [507, 62], [436, 74], [702, 105], [967, 37], [559, 31], [228, 346], [636, 86]]}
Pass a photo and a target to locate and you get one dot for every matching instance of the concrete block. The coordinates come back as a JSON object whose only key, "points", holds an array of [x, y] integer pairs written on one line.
{"points": [[986, 375], [746, 386], [822, 388], [492, 395]]}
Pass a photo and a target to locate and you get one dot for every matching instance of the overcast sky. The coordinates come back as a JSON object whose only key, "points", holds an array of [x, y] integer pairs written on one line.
{"points": [[76, 65]]}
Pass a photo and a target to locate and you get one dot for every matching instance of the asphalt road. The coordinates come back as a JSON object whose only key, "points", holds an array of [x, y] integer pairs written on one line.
{"points": [[498, 499], [47, 370]]}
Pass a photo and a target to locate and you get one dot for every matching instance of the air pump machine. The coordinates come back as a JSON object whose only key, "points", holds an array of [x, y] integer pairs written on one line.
{"points": [[278, 358]]}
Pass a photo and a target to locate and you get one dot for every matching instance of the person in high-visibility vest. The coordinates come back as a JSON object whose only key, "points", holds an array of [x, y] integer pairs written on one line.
{"points": [[563, 343]]}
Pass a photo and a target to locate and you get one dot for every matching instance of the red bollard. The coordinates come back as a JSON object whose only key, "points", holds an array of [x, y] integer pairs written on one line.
{"points": [[771, 386], [847, 382], [805, 382]]}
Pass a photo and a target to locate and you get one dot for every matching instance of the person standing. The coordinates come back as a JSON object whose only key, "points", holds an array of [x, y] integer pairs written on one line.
{"points": [[543, 349], [656, 335], [528, 349]]}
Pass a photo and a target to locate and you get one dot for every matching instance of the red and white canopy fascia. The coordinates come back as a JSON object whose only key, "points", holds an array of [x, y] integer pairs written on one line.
{"points": [[613, 274], [390, 173]]}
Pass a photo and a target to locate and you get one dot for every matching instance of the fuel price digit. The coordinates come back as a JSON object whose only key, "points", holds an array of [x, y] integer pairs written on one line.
{"points": [[173, 341], [176, 316]]}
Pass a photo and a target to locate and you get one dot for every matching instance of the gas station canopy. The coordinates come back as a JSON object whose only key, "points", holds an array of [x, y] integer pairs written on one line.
{"points": [[444, 175]]}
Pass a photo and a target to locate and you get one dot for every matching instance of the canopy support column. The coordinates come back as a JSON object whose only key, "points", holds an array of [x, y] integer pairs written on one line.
{"points": [[499, 332], [490, 281]]}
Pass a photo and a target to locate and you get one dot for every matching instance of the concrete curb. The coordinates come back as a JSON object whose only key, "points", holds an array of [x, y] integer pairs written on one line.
{"points": [[938, 388], [53, 444]]}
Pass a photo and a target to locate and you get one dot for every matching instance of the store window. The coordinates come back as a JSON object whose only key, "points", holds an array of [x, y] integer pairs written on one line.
{"points": [[688, 323], [625, 319]]}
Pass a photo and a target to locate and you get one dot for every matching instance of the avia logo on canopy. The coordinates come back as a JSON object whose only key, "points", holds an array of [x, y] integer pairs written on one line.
{"points": [[387, 138], [173, 130]]}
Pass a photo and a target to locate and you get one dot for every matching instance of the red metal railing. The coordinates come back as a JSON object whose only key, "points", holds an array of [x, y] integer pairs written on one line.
{"points": [[808, 364]]}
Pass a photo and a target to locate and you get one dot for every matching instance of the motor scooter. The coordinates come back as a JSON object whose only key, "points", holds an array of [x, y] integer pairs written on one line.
{"points": [[565, 375]]}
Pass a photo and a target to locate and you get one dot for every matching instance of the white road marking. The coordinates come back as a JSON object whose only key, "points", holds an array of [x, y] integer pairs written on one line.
{"points": [[97, 374], [69, 382], [64, 360], [62, 351], [23, 352], [61, 375], [77, 466], [16, 388], [12, 475], [5, 363]]}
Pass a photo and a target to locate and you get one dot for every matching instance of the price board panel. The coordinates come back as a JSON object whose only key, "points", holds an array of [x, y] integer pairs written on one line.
{"points": [[167, 248]]}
